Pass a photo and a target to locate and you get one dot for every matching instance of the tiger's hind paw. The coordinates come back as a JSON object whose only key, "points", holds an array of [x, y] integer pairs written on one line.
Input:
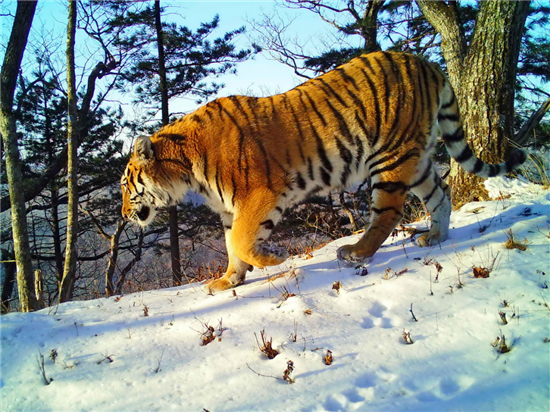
{"points": [[346, 255], [430, 239], [277, 253]]}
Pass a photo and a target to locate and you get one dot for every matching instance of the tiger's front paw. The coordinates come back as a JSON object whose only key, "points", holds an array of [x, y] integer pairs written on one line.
{"points": [[347, 255], [220, 285]]}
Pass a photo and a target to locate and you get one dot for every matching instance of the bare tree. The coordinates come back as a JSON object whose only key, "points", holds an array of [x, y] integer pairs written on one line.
{"points": [[10, 70], [483, 74]]}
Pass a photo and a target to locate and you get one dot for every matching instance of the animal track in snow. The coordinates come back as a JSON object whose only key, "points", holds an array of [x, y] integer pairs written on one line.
{"points": [[377, 311]]}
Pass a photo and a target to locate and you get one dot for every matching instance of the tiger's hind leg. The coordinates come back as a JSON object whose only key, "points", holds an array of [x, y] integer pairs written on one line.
{"points": [[236, 268], [386, 212], [436, 195]]}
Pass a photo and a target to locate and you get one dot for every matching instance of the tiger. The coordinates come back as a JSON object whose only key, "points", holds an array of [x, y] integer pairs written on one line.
{"points": [[376, 117]]}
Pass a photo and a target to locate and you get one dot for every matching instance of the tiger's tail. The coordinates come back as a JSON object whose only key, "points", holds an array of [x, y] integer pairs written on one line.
{"points": [[452, 133]]}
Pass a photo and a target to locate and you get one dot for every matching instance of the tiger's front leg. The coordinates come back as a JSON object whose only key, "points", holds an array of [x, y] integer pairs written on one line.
{"points": [[254, 220], [236, 268], [252, 224]]}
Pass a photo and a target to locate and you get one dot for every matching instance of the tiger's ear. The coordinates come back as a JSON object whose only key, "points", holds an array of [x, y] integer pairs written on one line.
{"points": [[143, 148]]}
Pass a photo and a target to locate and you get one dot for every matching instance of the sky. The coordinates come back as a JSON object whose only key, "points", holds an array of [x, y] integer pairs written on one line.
{"points": [[258, 76]]}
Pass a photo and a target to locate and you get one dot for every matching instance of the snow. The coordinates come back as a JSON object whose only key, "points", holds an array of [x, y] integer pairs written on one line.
{"points": [[157, 362]]}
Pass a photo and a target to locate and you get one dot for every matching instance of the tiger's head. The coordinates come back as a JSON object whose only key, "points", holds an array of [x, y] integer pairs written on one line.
{"points": [[148, 184]]}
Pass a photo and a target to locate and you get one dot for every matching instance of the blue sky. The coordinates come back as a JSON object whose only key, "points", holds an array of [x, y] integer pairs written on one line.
{"points": [[259, 76]]}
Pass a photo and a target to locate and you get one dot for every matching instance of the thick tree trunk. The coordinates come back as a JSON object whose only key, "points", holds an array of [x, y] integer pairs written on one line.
{"points": [[69, 272], [10, 70], [483, 76], [173, 210]]}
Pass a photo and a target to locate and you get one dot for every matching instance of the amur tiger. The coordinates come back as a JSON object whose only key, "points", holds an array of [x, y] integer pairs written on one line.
{"points": [[375, 117]]}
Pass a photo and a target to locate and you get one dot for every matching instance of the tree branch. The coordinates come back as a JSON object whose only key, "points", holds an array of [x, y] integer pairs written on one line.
{"points": [[521, 137]]}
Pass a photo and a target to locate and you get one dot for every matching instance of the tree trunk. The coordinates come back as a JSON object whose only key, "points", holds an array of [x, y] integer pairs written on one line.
{"points": [[173, 210], [56, 233], [483, 76], [10, 70], [69, 272], [114, 240], [369, 25], [9, 266]]}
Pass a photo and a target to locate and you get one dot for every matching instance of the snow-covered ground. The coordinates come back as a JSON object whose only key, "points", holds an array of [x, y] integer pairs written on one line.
{"points": [[111, 356]]}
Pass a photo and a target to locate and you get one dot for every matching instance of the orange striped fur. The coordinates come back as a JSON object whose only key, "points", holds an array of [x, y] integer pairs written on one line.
{"points": [[376, 117]]}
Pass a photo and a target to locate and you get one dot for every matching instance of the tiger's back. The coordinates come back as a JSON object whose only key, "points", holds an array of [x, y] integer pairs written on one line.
{"points": [[375, 117]]}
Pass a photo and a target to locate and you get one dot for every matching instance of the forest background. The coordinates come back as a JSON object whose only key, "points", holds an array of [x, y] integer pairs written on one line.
{"points": [[125, 68]]}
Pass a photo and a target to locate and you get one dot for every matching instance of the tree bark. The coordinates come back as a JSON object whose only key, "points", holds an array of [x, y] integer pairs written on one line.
{"points": [[69, 271], [483, 76], [115, 241], [10, 70], [173, 210], [8, 263]]}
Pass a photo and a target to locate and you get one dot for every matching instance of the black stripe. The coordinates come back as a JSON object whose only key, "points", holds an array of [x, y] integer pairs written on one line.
{"points": [[358, 103], [377, 116], [315, 109], [325, 176], [342, 124], [428, 87], [424, 176], [218, 186], [465, 155], [360, 152], [268, 224], [450, 103], [347, 78], [310, 169], [234, 185], [453, 117], [345, 153], [279, 209], [456, 136], [321, 150], [427, 198], [327, 88], [297, 122], [494, 170], [301, 182], [390, 187], [478, 166], [409, 155]]}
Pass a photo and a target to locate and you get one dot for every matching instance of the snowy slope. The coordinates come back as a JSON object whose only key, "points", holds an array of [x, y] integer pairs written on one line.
{"points": [[158, 362]]}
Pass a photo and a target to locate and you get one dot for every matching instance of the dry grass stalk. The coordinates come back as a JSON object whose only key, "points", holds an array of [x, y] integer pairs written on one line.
{"points": [[388, 274], [267, 346], [210, 333], [512, 243], [328, 358], [407, 337], [288, 371], [480, 272]]}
